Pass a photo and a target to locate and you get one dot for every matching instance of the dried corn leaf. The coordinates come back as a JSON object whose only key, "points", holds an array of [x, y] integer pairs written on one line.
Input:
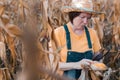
{"points": [[2, 8], [13, 30], [5, 19], [99, 28]]}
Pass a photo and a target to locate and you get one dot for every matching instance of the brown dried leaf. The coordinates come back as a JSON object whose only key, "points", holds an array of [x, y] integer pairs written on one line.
{"points": [[13, 30], [99, 28], [22, 7], [102, 17], [5, 19], [21, 12], [93, 75], [2, 8]]}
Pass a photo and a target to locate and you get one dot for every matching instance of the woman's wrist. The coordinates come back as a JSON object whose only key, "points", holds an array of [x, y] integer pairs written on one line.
{"points": [[76, 65]]}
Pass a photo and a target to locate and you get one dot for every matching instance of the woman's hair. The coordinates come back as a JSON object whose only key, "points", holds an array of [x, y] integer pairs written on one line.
{"points": [[72, 15]]}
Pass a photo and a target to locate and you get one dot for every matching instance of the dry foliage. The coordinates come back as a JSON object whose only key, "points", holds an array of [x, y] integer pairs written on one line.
{"points": [[26, 27]]}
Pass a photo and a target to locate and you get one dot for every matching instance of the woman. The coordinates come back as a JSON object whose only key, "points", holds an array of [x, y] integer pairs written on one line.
{"points": [[79, 43]]}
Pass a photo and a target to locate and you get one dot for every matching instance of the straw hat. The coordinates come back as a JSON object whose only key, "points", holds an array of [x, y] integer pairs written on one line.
{"points": [[80, 6]]}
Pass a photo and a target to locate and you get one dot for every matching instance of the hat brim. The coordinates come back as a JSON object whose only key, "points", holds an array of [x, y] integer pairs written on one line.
{"points": [[67, 9]]}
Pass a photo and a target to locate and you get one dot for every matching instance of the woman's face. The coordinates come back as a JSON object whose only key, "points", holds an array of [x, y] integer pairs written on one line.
{"points": [[80, 21]]}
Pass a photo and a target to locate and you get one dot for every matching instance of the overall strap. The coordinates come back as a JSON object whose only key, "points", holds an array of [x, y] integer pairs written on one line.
{"points": [[88, 37], [68, 40]]}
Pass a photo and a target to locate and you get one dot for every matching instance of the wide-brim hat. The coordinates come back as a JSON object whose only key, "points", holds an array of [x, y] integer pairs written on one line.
{"points": [[80, 6]]}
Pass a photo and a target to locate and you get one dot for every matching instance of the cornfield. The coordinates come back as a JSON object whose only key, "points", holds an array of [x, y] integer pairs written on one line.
{"points": [[27, 26]]}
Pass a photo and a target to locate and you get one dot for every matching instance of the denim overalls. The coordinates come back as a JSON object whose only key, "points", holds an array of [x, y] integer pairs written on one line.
{"points": [[73, 56]]}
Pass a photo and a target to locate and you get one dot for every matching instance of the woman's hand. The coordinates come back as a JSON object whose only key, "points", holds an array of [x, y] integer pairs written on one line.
{"points": [[82, 63], [74, 65]]}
